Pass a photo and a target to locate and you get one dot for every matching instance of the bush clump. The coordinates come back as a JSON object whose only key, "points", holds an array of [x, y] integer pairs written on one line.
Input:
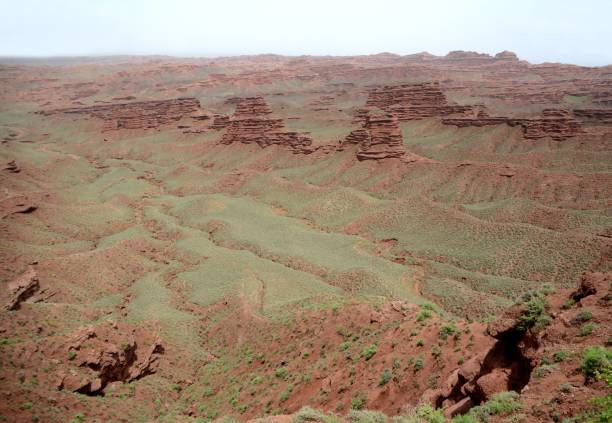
{"points": [[358, 402], [595, 361], [369, 351], [534, 315], [502, 403], [587, 329], [308, 414], [366, 416], [448, 330], [385, 377]]}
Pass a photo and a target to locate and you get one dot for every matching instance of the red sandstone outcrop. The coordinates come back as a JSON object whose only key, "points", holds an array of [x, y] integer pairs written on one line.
{"points": [[140, 114], [12, 167], [379, 138], [414, 101], [104, 354], [555, 123], [22, 288], [596, 116], [252, 124], [220, 122], [18, 203]]}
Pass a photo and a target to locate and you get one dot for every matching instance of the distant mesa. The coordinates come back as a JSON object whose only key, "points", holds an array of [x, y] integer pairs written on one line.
{"points": [[139, 114], [379, 138], [414, 101], [557, 124], [506, 55], [252, 123]]}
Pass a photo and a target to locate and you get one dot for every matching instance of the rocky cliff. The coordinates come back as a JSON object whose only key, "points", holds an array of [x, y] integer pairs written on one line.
{"points": [[557, 124], [139, 114], [252, 123], [414, 101]]}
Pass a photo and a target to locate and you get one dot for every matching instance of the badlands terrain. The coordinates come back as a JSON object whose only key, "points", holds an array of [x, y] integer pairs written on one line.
{"points": [[416, 238]]}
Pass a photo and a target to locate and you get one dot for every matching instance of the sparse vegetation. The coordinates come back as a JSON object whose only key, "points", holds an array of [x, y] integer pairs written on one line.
{"points": [[423, 315], [534, 316], [418, 364], [503, 403], [587, 329], [358, 402], [282, 373], [448, 330], [366, 416], [596, 360], [385, 377], [368, 352]]}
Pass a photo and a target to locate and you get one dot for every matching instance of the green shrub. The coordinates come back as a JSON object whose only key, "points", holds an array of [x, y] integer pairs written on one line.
{"points": [[78, 418], [447, 330], [282, 373], [568, 304], [534, 314], [385, 377], [466, 418], [344, 332], [366, 416], [308, 414], [286, 394], [345, 346], [358, 402], [544, 370], [420, 343], [368, 352], [436, 352], [418, 364], [560, 356], [583, 316], [423, 315], [603, 410], [502, 403], [596, 360], [430, 415], [587, 329]]}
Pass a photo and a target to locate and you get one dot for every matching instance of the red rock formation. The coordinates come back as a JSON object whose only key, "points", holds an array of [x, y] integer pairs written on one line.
{"points": [[12, 167], [380, 138], [22, 288], [555, 123], [597, 116], [414, 101], [104, 354], [252, 124], [220, 122], [140, 114]]}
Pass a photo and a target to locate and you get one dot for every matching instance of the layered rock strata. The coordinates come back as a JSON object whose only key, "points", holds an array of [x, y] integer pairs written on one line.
{"points": [[414, 101], [379, 138], [139, 114], [252, 123], [554, 123]]}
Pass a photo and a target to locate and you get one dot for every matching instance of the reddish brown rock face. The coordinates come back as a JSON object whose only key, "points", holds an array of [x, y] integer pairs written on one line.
{"points": [[381, 138], [554, 123], [140, 114], [252, 124], [413, 101]]}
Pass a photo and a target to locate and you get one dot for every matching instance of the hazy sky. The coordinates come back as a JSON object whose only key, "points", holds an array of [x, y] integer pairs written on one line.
{"points": [[573, 31]]}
